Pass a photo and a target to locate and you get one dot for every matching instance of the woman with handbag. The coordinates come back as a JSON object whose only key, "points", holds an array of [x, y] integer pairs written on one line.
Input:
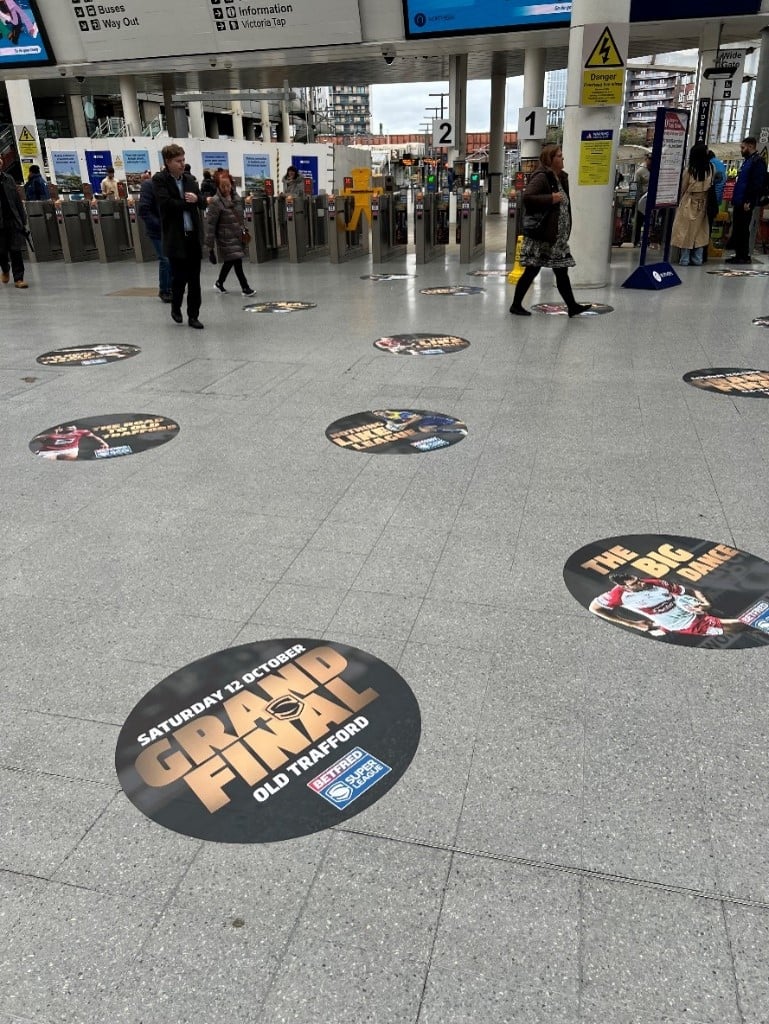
{"points": [[225, 226], [691, 226], [546, 230]]}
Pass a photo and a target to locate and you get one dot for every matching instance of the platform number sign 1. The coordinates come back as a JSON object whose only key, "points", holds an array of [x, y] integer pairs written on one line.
{"points": [[443, 132], [532, 123]]}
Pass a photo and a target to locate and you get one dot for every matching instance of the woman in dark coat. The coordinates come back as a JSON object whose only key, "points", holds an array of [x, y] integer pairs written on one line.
{"points": [[13, 232], [225, 226], [548, 190]]}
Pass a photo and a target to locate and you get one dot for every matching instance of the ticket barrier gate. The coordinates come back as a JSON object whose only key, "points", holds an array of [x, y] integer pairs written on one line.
{"points": [[389, 226], [514, 214], [265, 218], [41, 218], [306, 227], [76, 233], [143, 249], [112, 231], [348, 229], [431, 224], [471, 227]]}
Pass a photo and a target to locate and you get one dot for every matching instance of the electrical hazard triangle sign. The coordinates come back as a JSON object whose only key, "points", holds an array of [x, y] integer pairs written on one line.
{"points": [[605, 53], [25, 135]]}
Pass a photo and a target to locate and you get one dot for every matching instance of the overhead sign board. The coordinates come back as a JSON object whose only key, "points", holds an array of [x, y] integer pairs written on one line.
{"points": [[443, 132], [722, 72], [134, 29], [532, 123], [448, 17], [604, 54]]}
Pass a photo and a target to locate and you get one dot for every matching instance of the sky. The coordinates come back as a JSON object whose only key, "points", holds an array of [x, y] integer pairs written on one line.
{"points": [[404, 108]]}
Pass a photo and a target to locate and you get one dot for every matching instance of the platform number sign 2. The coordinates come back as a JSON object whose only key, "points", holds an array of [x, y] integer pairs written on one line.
{"points": [[443, 132], [532, 123]]}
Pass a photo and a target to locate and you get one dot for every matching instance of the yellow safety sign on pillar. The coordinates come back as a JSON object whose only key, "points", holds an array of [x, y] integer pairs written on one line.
{"points": [[26, 142], [604, 50]]}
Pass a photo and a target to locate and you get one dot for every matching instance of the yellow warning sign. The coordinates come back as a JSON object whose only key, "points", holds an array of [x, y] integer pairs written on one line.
{"points": [[27, 143], [605, 53]]}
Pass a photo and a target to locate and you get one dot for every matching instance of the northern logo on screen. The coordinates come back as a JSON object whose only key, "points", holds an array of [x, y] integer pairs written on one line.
{"points": [[268, 741]]}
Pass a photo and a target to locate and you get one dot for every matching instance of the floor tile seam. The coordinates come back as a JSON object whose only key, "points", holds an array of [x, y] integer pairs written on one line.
{"points": [[88, 830], [436, 928], [22, 770], [280, 961], [59, 714], [553, 867], [732, 964]]}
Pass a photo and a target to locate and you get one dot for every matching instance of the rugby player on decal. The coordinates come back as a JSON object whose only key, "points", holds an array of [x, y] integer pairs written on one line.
{"points": [[398, 419], [663, 608], [63, 443]]}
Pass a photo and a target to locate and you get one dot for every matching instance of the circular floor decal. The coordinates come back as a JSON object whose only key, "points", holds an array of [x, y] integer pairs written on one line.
{"points": [[87, 355], [387, 277], [761, 321], [421, 344], [103, 437], [730, 380], [487, 273], [559, 308], [694, 593], [457, 289], [268, 741], [396, 431], [740, 273], [278, 307]]}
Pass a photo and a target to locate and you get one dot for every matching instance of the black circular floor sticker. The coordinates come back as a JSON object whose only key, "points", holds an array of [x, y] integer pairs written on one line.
{"points": [[679, 590], [88, 355], [456, 289], [421, 344], [103, 437], [560, 309], [761, 321], [487, 273], [740, 273], [396, 431], [731, 380], [387, 277], [278, 307], [268, 741]]}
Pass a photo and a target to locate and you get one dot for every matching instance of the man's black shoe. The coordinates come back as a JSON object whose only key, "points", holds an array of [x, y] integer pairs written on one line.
{"points": [[733, 259], [165, 296], [176, 316], [194, 322]]}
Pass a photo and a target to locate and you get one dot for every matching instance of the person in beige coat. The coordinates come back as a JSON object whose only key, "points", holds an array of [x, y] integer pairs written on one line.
{"points": [[691, 229]]}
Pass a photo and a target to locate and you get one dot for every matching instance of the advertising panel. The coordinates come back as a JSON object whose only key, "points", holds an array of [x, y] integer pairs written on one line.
{"points": [[23, 40], [454, 17]]}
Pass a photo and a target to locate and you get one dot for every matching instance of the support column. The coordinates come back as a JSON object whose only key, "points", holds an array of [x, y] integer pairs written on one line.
{"points": [[130, 105], [168, 106], [458, 105], [285, 121], [197, 121], [264, 108], [497, 130], [251, 131], [591, 205], [710, 38], [533, 93], [23, 116], [237, 119], [760, 117], [77, 117], [213, 127]]}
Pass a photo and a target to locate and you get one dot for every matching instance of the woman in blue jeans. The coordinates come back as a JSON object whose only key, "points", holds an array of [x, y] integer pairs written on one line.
{"points": [[691, 227]]}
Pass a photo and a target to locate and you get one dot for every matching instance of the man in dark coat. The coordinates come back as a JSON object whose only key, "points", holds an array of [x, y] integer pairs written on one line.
{"points": [[13, 231], [751, 181], [179, 202], [149, 213]]}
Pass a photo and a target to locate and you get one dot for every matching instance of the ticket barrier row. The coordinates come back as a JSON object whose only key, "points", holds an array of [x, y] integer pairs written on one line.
{"points": [[471, 226], [79, 230], [290, 227], [431, 225], [389, 226]]}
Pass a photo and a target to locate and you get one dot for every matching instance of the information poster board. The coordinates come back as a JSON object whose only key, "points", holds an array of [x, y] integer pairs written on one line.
{"points": [[23, 39], [447, 17], [595, 161]]}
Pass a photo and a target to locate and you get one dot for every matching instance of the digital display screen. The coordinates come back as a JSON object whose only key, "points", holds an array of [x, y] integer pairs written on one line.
{"points": [[458, 17], [23, 41]]}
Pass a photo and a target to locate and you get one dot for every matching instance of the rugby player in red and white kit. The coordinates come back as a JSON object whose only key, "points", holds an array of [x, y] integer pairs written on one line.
{"points": [[63, 442], [664, 608]]}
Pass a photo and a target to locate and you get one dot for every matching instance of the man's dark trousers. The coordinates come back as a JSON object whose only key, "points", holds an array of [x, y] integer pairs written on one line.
{"points": [[185, 273], [741, 232]]}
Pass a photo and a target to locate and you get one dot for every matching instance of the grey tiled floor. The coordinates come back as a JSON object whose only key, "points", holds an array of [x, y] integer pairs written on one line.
{"points": [[583, 835]]}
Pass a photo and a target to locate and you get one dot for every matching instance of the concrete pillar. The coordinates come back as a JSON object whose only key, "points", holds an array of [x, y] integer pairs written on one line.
{"points": [[168, 107], [591, 205], [251, 131], [760, 117], [497, 130], [533, 93], [285, 121], [197, 121], [213, 127], [77, 117], [130, 105], [264, 108], [23, 115], [237, 119], [181, 122], [710, 37], [458, 104]]}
